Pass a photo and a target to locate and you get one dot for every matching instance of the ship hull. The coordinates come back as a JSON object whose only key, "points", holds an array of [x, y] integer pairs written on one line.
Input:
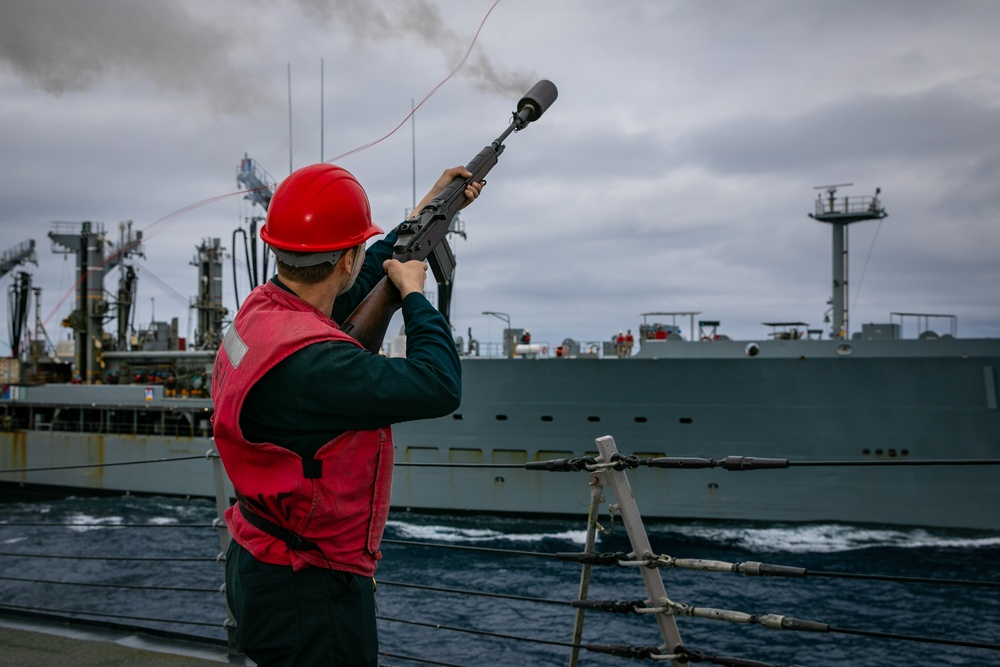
{"points": [[810, 403]]}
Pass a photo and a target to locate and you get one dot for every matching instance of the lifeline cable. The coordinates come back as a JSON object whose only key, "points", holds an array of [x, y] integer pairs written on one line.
{"points": [[421, 660], [142, 559], [109, 465], [439, 589], [778, 622], [90, 526], [620, 559], [179, 589], [66, 613], [743, 463], [755, 569], [734, 463], [771, 621], [483, 633], [730, 463], [462, 547]]}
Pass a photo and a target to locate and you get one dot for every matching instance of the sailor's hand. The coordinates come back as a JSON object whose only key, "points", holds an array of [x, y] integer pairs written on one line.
{"points": [[471, 191], [408, 277]]}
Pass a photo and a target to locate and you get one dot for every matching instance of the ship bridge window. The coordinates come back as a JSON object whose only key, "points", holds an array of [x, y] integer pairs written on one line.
{"points": [[501, 418], [546, 418], [593, 418], [641, 420], [457, 415], [686, 420]]}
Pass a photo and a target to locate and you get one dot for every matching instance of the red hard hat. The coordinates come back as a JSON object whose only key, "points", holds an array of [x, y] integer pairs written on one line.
{"points": [[318, 208]]}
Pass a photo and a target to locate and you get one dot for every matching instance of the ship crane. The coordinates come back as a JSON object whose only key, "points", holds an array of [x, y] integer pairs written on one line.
{"points": [[88, 241], [19, 293], [259, 187], [258, 183], [839, 213], [23, 252]]}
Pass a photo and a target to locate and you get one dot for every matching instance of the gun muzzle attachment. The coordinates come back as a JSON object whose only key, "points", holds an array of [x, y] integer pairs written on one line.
{"points": [[537, 100]]}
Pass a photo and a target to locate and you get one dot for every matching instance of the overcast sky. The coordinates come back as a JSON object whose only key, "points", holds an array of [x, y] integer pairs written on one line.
{"points": [[674, 173]]}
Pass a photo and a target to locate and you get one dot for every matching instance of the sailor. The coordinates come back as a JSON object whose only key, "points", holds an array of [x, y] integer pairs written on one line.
{"points": [[526, 337], [302, 422], [629, 342], [620, 344]]}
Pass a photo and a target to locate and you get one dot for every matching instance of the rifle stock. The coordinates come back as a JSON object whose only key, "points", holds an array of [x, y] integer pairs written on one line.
{"points": [[418, 238], [370, 319]]}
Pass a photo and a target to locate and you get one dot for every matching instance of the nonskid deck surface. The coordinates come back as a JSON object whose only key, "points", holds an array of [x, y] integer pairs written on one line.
{"points": [[61, 644]]}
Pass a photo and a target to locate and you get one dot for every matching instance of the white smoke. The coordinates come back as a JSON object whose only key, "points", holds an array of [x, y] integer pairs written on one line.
{"points": [[368, 21]]}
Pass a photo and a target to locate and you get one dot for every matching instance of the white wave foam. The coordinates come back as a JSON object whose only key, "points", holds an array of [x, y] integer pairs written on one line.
{"points": [[787, 538], [162, 521], [830, 538], [456, 534], [15, 540], [84, 522]]}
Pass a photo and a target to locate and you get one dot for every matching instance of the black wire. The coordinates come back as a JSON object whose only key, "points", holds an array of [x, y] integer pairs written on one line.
{"points": [[65, 612], [917, 462], [925, 462], [460, 547], [43, 524], [904, 580], [412, 659], [772, 570], [129, 558], [915, 638], [804, 572], [236, 285], [413, 464], [104, 465], [128, 586], [504, 596], [484, 633]]}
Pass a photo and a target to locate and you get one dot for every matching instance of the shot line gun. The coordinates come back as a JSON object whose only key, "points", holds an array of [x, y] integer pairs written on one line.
{"points": [[424, 237]]}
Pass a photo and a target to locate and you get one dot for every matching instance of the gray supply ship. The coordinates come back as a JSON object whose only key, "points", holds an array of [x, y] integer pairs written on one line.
{"points": [[870, 396]]}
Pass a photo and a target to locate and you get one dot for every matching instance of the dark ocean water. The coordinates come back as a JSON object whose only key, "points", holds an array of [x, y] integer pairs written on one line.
{"points": [[950, 612]]}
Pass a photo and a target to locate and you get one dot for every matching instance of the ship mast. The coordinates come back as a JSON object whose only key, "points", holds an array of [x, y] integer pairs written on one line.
{"points": [[211, 313], [88, 244], [840, 213]]}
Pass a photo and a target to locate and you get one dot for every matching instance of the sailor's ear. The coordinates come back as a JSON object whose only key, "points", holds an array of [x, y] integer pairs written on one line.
{"points": [[348, 259]]}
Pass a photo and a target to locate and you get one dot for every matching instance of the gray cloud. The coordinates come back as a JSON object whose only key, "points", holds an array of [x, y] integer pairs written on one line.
{"points": [[937, 124], [64, 46]]}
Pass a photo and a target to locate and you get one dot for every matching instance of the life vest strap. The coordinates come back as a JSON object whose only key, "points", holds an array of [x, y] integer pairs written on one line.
{"points": [[293, 541]]}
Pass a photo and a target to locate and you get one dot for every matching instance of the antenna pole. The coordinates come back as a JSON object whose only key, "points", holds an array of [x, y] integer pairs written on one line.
{"points": [[413, 152], [289, 118], [322, 117]]}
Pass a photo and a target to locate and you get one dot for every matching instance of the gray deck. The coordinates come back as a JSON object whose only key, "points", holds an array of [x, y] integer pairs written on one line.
{"points": [[28, 643]]}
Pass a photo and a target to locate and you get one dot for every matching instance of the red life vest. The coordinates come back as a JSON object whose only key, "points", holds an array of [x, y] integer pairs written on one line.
{"points": [[340, 499]]}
